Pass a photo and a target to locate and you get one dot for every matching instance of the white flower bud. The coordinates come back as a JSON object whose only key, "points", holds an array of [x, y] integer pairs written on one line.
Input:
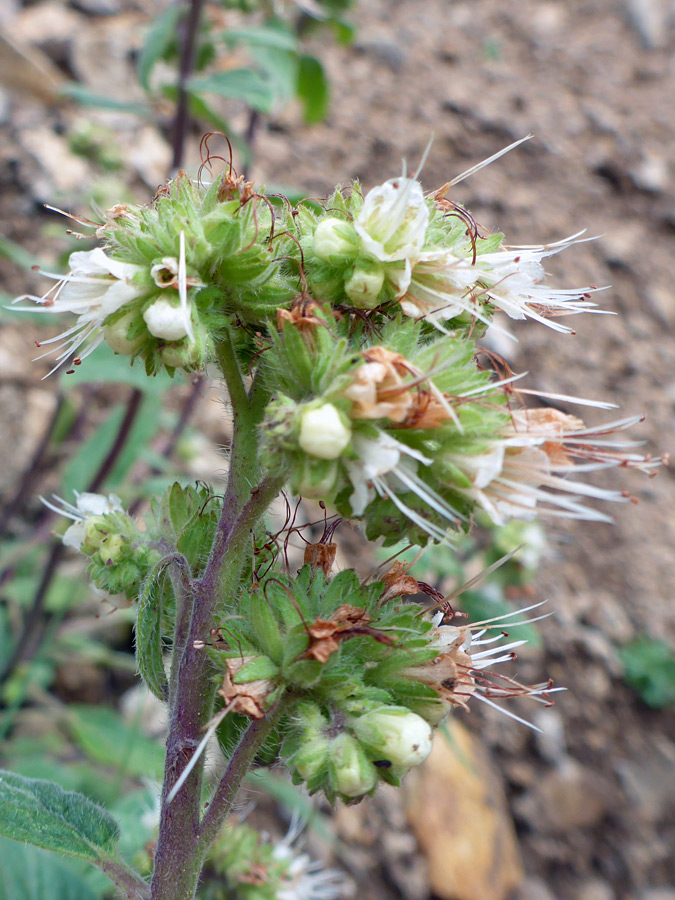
{"points": [[323, 433], [115, 335], [402, 737], [364, 285], [334, 238], [353, 774], [179, 356], [166, 321]]}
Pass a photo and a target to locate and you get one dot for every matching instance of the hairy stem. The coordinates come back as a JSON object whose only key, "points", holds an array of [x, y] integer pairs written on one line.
{"points": [[129, 883], [242, 758], [181, 847]]}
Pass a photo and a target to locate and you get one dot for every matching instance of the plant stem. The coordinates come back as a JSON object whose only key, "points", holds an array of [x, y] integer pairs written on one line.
{"points": [[242, 758], [182, 118], [181, 848], [131, 884]]}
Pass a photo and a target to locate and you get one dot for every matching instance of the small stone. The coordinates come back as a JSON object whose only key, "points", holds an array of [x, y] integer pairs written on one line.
{"points": [[551, 738], [567, 797], [595, 889], [385, 52], [458, 813], [651, 174], [533, 889], [659, 893], [648, 19]]}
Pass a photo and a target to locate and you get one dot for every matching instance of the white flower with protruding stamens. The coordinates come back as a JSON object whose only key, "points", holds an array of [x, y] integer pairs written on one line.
{"points": [[303, 878], [446, 283], [523, 472], [96, 287], [87, 507]]}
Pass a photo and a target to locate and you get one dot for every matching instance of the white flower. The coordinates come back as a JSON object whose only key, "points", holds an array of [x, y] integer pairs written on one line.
{"points": [[86, 507], [524, 471], [445, 283], [305, 879], [393, 220], [403, 737], [96, 287], [323, 433], [166, 320], [381, 469]]}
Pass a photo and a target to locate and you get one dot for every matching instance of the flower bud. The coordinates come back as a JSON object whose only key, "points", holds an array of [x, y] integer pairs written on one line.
{"points": [[166, 320], [112, 548], [317, 479], [95, 530], [353, 774], [181, 355], [323, 432], [334, 239], [364, 285], [402, 737], [116, 335]]}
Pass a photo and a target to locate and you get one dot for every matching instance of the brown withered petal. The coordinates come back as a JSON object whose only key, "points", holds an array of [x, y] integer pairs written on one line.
{"points": [[249, 699], [346, 622], [398, 583], [320, 556]]}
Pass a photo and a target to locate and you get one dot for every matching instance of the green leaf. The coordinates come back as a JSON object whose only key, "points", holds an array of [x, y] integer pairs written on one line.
{"points": [[313, 89], [237, 84], [649, 668], [41, 813], [89, 458], [85, 97], [149, 642], [104, 736], [265, 36], [105, 366], [159, 38], [29, 873]]}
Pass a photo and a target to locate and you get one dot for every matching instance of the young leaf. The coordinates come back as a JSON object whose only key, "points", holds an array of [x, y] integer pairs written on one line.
{"points": [[41, 813], [149, 643], [313, 89]]}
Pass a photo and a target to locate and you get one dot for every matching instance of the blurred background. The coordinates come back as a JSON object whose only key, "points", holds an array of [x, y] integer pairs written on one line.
{"points": [[582, 810]]}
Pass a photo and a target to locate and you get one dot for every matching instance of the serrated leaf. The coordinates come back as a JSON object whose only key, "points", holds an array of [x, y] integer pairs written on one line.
{"points": [[43, 814], [313, 89], [237, 84], [29, 873], [158, 39], [149, 638]]}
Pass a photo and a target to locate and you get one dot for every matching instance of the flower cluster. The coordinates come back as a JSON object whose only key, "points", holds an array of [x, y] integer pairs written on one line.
{"points": [[257, 868], [369, 676], [120, 556], [171, 276]]}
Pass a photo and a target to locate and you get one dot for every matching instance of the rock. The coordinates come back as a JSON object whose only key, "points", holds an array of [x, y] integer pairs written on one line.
{"points": [[390, 54], [567, 797], [533, 889], [60, 173], [662, 893], [550, 739], [648, 781], [458, 813], [648, 19], [595, 889], [651, 174]]}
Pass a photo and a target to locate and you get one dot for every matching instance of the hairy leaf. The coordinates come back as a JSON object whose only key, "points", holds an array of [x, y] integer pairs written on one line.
{"points": [[41, 813]]}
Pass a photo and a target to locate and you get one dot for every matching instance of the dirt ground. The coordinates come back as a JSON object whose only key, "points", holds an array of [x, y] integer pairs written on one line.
{"points": [[593, 796]]}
